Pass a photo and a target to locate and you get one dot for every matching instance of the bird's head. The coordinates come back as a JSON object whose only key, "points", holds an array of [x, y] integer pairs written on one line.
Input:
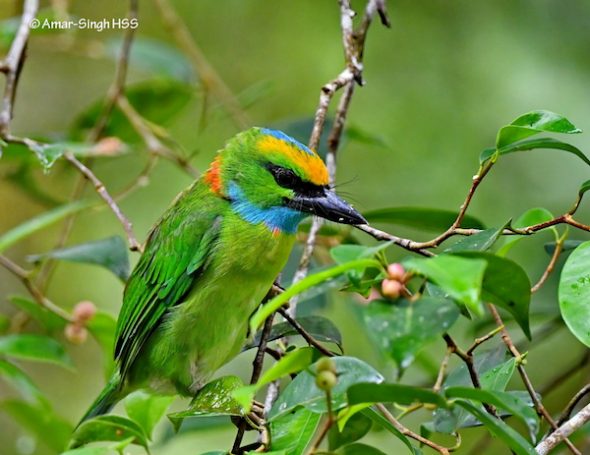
{"points": [[270, 177]]}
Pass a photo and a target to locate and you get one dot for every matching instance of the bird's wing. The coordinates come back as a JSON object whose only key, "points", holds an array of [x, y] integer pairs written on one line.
{"points": [[176, 254]]}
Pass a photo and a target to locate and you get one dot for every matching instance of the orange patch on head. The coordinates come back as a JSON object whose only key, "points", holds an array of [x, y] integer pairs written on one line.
{"points": [[313, 166], [212, 176]]}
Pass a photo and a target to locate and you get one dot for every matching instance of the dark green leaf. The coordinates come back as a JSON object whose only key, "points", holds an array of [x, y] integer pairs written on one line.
{"points": [[574, 293], [156, 57], [460, 277], [39, 222], [359, 449], [302, 391], [292, 432], [500, 429], [108, 428], [506, 285], [568, 245], [356, 427], [34, 347], [102, 327], [393, 393], [215, 399], [21, 382], [482, 241], [402, 329], [146, 409], [383, 422], [42, 315], [584, 187], [110, 253], [49, 428], [543, 143], [319, 327], [533, 123], [426, 219]]}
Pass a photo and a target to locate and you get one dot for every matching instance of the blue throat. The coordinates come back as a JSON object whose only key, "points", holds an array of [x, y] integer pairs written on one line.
{"points": [[284, 219]]}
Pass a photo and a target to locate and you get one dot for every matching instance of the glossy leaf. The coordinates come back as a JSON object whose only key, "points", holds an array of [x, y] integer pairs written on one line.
{"points": [[21, 382], [155, 56], [532, 123], [312, 280], [356, 427], [102, 327], [393, 393], [506, 285], [460, 277], [110, 253], [543, 143], [108, 428], [302, 391], [39, 420], [574, 293], [426, 219], [359, 449], [39, 222], [500, 429], [146, 409], [293, 432], [321, 328], [38, 348], [215, 399], [42, 315], [402, 329], [528, 218], [482, 241]]}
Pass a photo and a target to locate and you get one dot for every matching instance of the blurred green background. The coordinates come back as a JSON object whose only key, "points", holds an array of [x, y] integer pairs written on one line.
{"points": [[440, 83]]}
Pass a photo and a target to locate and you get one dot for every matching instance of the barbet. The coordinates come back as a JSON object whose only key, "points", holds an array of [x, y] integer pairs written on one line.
{"points": [[210, 260]]}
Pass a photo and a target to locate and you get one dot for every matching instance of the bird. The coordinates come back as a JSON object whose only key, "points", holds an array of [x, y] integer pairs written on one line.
{"points": [[210, 260]]}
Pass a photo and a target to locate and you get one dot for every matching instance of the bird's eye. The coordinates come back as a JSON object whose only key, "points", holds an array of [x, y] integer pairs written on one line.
{"points": [[284, 177]]}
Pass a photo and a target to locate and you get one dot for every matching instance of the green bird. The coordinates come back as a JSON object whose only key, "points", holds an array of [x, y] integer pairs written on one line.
{"points": [[211, 259]]}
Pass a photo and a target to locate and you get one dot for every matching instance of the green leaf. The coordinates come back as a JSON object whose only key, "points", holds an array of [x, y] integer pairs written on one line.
{"points": [[302, 391], [293, 432], [319, 327], [108, 428], [22, 382], [482, 241], [34, 347], [155, 56], [426, 219], [146, 409], [215, 399], [110, 253], [39, 222], [500, 429], [48, 428], [502, 400], [506, 285], [528, 218], [293, 362], [584, 187], [356, 427], [574, 293], [89, 451], [402, 329], [383, 422], [533, 123], [460, 277], [543, 143], [359, 449], [393, 393], [312, 280], [348, 253], [158, 101], [568, 245], [102, 327], [42, 315]]}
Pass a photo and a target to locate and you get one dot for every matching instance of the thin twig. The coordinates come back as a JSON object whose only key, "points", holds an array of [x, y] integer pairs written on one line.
{"points": [[550, 266], [561, 434], [301, 330], [572, 404]]}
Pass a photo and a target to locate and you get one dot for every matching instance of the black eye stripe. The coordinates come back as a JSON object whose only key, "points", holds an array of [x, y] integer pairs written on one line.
{"points": [[288, 179]]}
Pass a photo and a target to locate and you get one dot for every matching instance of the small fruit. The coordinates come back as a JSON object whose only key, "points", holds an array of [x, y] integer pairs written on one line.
{"points": [[396, 272], [391, 288], [84, 311], [326, 380], [75, 334], [326, 364]]}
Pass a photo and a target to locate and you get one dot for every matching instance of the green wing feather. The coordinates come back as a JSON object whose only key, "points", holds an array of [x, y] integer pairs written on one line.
{"points": [[175, 255]]}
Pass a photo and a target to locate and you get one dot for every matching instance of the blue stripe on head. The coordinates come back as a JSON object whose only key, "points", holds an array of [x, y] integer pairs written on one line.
{"points": [[282, 136]]}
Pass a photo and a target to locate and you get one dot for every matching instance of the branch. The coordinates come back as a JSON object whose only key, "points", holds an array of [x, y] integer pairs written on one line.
{"points": [[306, 336], [561, 434], [550, 266], [572, 404], [12, 65]]}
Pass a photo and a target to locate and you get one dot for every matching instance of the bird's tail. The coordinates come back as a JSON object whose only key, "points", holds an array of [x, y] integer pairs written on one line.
{"points": [[109, 396]]}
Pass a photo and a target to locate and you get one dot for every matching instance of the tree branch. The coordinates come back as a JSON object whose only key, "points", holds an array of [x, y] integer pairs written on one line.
{"points": [[561, 434]]}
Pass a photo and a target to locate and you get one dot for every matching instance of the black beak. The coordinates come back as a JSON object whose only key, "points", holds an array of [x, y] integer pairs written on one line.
{"points": [[328, 206]]}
